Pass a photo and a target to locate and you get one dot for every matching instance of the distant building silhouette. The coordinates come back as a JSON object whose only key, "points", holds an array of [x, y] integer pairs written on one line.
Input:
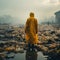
{"points": [[58, 17], [4, 26]]}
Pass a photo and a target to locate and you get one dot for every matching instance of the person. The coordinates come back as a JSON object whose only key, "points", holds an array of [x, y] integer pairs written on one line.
{"points": [[31, 30]]}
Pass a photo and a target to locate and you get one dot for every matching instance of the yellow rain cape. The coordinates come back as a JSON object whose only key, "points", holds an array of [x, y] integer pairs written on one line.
{"points": [[31, 31]]}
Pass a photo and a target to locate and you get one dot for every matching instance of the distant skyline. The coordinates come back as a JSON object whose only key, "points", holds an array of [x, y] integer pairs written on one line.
{"points": [[21, 8]]}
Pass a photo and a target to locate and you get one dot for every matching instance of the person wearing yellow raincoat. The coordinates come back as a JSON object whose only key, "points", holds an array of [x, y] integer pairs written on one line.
{"points": [[31, 29]]}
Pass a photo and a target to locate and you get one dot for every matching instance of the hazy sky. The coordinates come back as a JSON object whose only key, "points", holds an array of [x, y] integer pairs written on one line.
{"points": [[22, 8]]}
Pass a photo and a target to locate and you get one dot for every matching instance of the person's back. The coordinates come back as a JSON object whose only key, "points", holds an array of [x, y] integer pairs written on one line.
{"points": [[31, 30]]}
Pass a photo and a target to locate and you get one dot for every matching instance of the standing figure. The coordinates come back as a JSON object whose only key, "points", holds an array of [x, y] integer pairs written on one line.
{"points": [[31, 29]]}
